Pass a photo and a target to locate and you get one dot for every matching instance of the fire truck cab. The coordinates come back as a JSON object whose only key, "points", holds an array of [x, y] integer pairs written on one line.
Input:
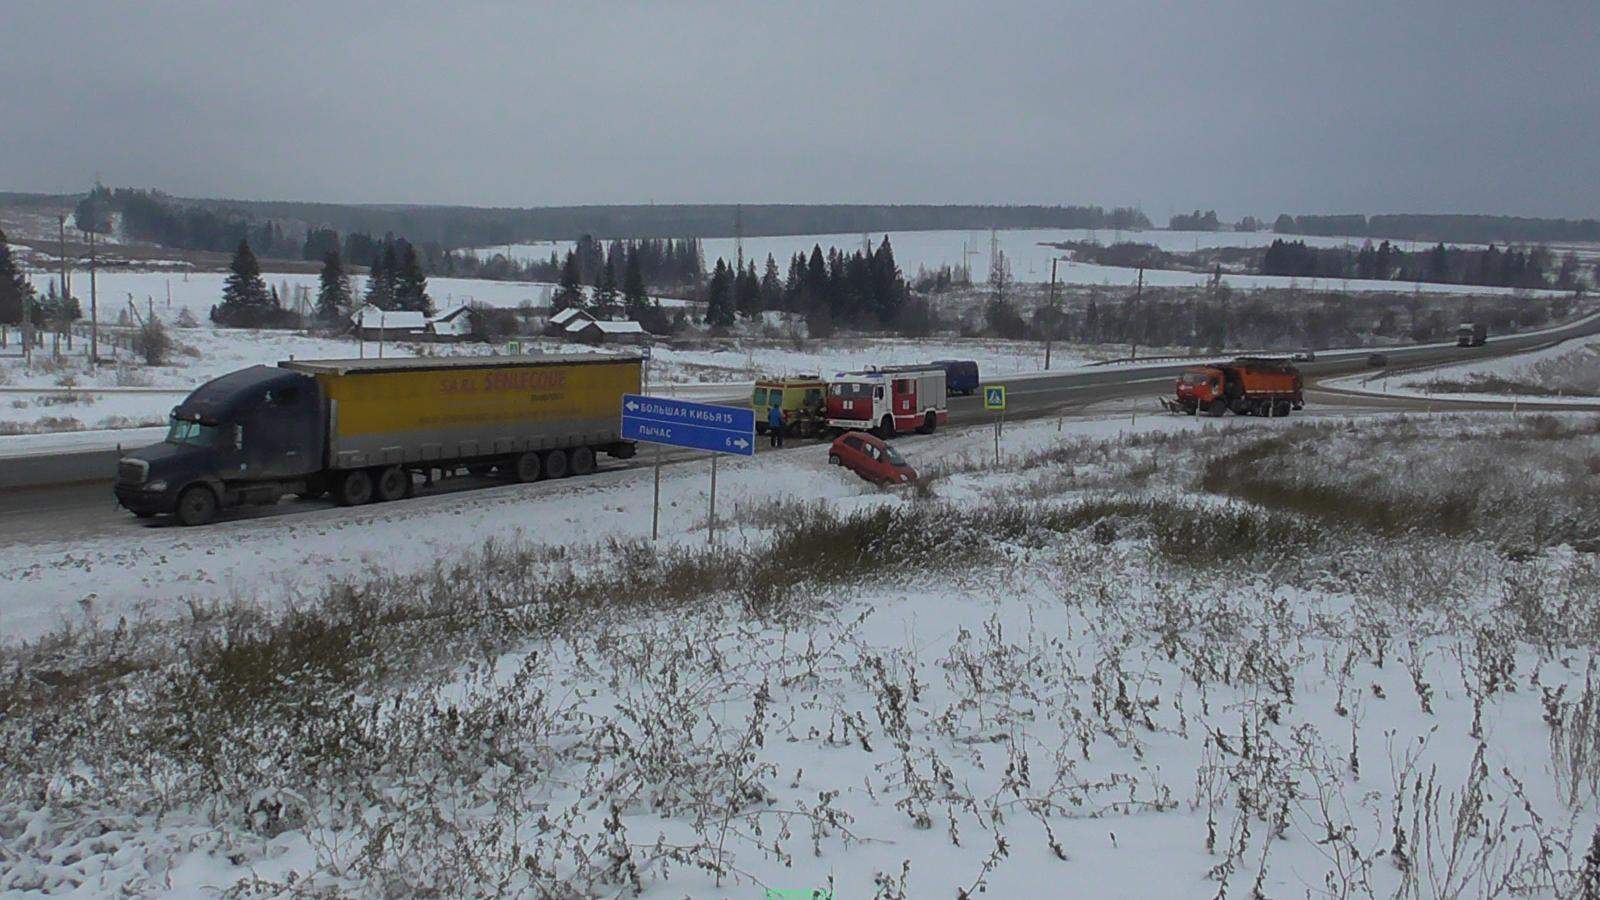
{"points": [[888, 401]]}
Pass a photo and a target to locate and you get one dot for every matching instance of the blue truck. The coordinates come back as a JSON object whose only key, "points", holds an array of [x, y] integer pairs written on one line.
{"points": [[960, 375]]}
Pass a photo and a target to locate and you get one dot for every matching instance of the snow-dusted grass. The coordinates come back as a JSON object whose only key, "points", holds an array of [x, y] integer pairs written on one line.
{"points": [[1080, 670]]}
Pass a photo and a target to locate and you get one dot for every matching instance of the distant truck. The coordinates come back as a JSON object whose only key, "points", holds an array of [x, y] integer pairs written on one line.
{"points": [[801, 400], [360, 429], [1472, 334], [888, 401], [960, 375], [1248, 386]]}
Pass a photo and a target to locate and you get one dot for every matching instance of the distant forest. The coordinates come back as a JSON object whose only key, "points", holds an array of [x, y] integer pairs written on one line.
{"points": [[275, 227], [1515, 267], [1466, 229]]}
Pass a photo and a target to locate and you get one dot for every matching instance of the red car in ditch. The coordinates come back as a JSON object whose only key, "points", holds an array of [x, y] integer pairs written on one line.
{"points": [[871, 458]]}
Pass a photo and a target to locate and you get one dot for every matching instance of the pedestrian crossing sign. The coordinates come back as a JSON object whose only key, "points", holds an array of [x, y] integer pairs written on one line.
{"points": [[994, 396]]}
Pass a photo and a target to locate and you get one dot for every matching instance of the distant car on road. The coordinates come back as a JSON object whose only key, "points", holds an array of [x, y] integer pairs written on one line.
{"points": [[1307, 355], [1377, 360], [871, 458]]}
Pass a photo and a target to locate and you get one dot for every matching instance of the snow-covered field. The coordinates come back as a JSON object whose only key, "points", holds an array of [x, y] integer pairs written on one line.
{"points": [[51, 396], [1567, 373], [1081, 673], [199, 291], [1030, 257]]}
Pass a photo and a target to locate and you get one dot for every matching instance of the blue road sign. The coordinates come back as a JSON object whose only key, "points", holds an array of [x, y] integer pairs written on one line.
{"points": [[698, 426], [994, 396]]}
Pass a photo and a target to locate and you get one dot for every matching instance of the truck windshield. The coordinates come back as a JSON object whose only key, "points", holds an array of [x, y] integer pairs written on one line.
{"points": [[850, 390], [194, 434], [1193, 378]]}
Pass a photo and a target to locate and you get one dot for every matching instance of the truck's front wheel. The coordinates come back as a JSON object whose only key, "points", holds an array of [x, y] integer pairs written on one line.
{"points": [[197, 505], [355, 488], [1216, 409]]}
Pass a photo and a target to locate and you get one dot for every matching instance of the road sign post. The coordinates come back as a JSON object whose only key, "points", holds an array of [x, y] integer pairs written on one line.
{"points": [[994, 400], [696, 426]]}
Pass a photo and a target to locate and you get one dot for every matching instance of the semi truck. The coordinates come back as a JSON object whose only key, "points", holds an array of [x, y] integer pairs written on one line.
{"points": [[1472, 334], [1248, 386], [888, 401], [362, 429]]}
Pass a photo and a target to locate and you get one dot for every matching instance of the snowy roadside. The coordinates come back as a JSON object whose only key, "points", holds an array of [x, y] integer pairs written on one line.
{"points": [[1072, 671], [141, 570], [1534, 368]]}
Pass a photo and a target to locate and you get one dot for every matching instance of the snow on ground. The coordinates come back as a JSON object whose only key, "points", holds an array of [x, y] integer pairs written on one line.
{"points": [[53, 396], [1574, 361], [1074, 713], [537, 251], [199, 291]]}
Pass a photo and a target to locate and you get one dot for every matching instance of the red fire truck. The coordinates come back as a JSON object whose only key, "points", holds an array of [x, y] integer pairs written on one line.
{"points": [[888, 401]]}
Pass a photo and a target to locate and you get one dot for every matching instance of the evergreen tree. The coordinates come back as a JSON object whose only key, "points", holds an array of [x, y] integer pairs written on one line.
{"points": [[719, 297], [888, 288], [333, 289], [771, 287], [570, 291], [747, 291], [14, 288], [634, 298], [605, 291], [410, 284], [245, 301], [381, 277]]}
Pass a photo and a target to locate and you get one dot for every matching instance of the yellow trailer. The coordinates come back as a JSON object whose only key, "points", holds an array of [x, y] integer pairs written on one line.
{"points": [[431, 410]]}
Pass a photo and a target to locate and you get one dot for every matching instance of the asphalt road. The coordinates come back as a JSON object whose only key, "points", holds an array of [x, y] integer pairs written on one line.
{"points": [[62, 495]]}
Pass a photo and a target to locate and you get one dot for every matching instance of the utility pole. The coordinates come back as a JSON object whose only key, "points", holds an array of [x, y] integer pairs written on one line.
{"points": [[94, 310], [61, 221], [1137, 293], [1050, 318]]}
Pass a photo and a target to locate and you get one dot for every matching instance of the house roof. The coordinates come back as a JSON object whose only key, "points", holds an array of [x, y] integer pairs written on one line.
{"points": [[450, 313], [607, 327], [567, 315], [372, 317]]}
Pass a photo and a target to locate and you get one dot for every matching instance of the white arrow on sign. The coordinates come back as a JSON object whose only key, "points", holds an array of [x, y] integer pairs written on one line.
{"points": [[741, 443], [631, 405]]}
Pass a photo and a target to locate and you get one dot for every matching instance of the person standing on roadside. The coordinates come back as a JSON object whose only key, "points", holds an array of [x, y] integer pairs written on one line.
{"points": [[775, 426]]}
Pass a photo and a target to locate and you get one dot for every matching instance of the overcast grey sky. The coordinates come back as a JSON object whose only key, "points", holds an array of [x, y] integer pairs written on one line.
{"points": [[1296, 105]]}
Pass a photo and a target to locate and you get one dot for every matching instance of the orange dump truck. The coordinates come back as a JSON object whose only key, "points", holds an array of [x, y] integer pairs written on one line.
{"points": [[1249, 386]]}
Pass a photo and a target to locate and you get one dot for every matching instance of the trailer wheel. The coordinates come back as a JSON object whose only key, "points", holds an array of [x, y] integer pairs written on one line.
{"points": [[354, 489], [391, 484], [527, 468], [555, 464], [197, 505], [930, 423], [1282, 408], [582, 461]]}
